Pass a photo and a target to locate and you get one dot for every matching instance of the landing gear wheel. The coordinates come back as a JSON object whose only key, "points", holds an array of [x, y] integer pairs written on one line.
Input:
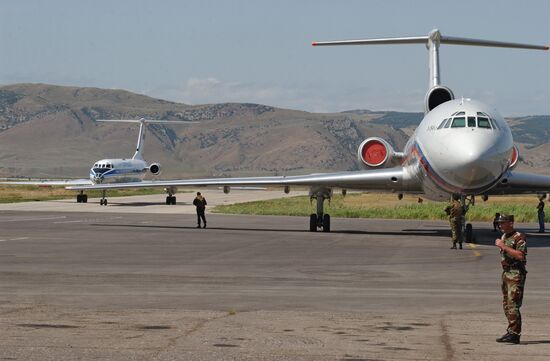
{"points": [[469, 233], [79, 198], [313, 222], [101, 202], [84, 198], [168, 201], [326, 223], [173, 200]]}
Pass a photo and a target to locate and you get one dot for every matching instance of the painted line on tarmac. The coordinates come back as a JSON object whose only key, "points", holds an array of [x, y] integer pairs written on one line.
{"points": [[86, 220], [14, 239], [473, 247], [32, 219]]}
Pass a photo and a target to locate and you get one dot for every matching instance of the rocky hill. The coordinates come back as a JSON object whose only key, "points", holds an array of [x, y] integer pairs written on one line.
{"points": [[49, 131]]}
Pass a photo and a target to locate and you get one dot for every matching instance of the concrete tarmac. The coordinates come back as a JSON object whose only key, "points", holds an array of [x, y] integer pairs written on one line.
{"points": [[139, 286]]}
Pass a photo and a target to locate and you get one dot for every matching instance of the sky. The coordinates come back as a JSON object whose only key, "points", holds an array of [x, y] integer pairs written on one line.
{"points": [[259, 51]]}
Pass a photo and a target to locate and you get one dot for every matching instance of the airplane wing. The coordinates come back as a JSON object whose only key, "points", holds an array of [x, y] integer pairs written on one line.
{"points": [[522, 183], [60, 182], [390, 180]]}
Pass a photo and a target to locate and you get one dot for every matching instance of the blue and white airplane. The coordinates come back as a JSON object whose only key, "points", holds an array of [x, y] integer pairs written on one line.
{"points": [[116, 170], [461, 146]]}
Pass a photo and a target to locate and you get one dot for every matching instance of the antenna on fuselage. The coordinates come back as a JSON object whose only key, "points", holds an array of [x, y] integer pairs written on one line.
{"points": [[141, 135], [437, 93]]}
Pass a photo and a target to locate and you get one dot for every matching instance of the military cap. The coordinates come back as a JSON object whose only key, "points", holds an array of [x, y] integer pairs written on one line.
{"points": [[505, 218]]}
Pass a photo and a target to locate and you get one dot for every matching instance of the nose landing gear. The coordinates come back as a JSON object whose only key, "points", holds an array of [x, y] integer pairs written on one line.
{"points": [[467, 228], [103, 200]]}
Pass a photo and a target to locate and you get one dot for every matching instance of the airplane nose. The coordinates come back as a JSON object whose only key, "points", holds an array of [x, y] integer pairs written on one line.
{"points": [[476, 161]]}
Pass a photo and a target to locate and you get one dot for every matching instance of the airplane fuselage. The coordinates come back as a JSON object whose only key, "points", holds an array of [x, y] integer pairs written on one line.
{"points": [[118, 171], [461, 146]]}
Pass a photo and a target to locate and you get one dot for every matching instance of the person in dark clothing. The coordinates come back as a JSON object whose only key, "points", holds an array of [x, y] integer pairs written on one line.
{"points": [[200, 204], [495, 222], [540, 214]]}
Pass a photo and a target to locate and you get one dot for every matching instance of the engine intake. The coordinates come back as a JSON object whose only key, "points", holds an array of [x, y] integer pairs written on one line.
{"points": [[155, 168], [376, 152], [436, 96]]}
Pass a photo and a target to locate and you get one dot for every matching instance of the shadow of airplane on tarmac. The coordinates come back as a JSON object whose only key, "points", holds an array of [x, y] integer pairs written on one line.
{"points": [[405, 232]]}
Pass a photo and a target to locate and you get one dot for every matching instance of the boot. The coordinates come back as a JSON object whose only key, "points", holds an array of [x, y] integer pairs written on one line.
{"points": [[460, 245], [509, 338], [454, 246], [204, 225], [199, 226]]}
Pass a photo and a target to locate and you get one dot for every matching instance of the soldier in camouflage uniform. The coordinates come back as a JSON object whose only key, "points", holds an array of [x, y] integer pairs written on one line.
{"points": [[455, 212], [513, 249]]}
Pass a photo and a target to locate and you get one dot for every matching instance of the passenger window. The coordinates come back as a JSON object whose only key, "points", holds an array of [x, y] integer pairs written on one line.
{"points": [[471, 121], [483, 122], [442, 124], [448, 122], [459, 122]]}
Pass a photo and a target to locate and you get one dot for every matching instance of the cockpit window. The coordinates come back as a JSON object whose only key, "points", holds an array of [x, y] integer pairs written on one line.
{"points": [[459, 122], [448, 122], [442, 124], [483, 122], [472, 121], [494, 124], [459, 113]]}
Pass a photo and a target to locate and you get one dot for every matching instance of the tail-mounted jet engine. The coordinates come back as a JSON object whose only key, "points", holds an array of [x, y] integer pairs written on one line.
{"points": [[514, 157], [155, 168], [437, 95], [377, 153]]}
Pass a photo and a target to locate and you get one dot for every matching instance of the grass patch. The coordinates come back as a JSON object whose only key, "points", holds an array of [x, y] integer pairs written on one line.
{"points": [[27, 193], [365, 205]]}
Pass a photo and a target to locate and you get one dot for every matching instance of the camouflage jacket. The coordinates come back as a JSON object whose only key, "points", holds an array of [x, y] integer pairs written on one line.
{"points": [[454, 210], [515, 240]]}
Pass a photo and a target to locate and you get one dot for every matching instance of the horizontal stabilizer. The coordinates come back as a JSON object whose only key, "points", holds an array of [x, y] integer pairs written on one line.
{"points": [[435, 36], [143, 120]]}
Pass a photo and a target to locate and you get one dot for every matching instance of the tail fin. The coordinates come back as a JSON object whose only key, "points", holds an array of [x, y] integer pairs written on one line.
{"points": [[141, 135]]}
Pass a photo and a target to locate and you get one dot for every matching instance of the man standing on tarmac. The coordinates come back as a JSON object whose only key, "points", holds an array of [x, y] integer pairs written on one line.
{"points": [[200, 203], [540, 214], [513, 249], [455, 211]]}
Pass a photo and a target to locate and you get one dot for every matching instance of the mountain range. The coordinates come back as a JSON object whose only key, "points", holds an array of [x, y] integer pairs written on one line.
{"points": [[49, 131]]}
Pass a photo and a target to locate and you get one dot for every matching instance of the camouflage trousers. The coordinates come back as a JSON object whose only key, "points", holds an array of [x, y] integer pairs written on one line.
{"points": [[513, 283], [456, 230]]}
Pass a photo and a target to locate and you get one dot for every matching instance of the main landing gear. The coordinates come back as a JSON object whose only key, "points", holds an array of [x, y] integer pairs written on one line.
{"points": [[319, 219], [170, 198], [81, 197]]}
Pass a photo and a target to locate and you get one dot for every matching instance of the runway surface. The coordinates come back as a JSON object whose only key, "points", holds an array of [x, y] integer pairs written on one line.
{"points": [[137, 286]]}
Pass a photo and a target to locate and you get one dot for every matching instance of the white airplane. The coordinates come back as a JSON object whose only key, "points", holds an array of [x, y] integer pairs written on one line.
{"points": [[461, 146], [116, 170]]}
